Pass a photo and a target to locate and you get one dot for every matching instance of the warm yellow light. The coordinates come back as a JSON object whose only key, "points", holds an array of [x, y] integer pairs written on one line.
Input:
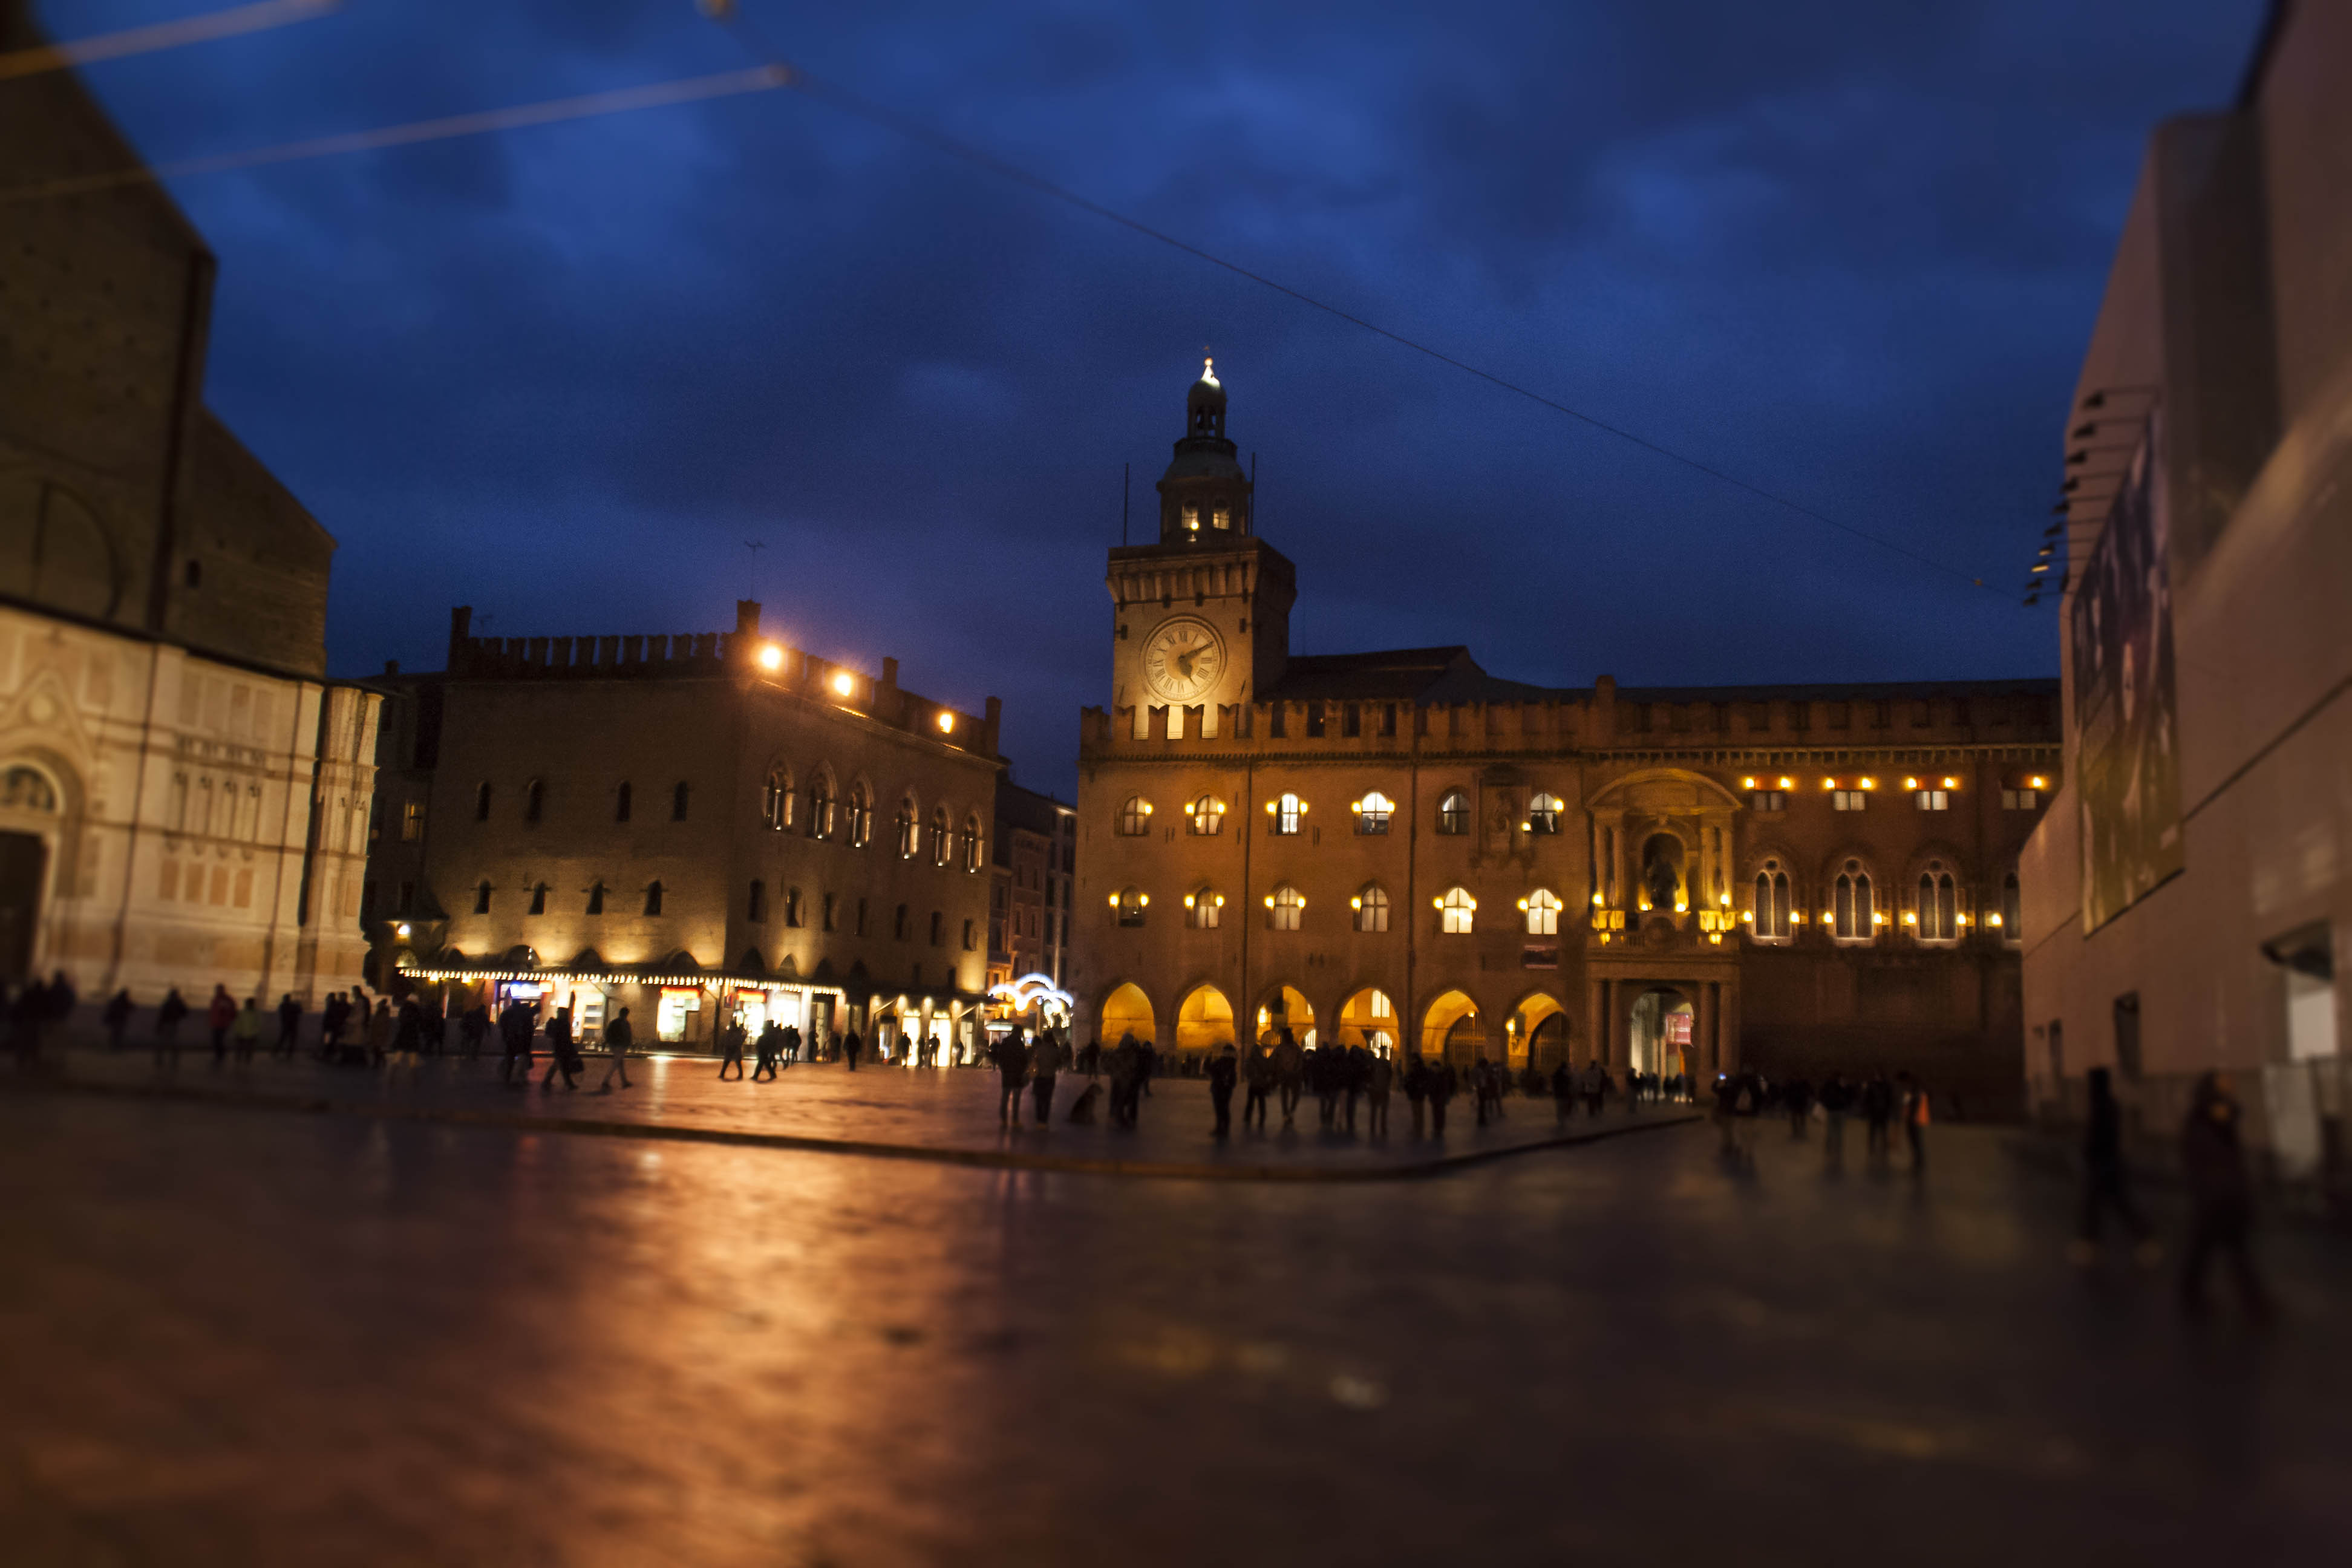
{"points": [[1147, 808], [1910, 784], [1301, 902], [1827, 917], [1828, 784], [1188, 900], [1527, 828], [1356, 805], [1269, 808], [401, 931], [1910, 918], [1747, 784], [1681, 907], [772, 656], [1964, 920], [1355, 903], [1143, 899], [2038, 783], [1870, 784], [842, 684], [1796, 917], [1787, 783], [1877, 919], [1996, 920], [1725, 901], [1220, 901], [1951, 783], [1114, 900], [1437, 903], [1646, 903], [1523, 903], [1302, 808], [1715, 938], [1596, 900], [1269, 900], [1748, 916], [947, 724]]}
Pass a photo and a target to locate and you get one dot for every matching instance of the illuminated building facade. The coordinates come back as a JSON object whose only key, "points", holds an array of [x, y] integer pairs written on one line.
{"points": [[693, 826], [1031, 872], [1401, 849], [2189, 894], [182, 791]]}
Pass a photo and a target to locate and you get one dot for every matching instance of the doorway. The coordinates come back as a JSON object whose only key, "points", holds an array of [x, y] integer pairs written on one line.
{"points": [[23, 866], [1662, 1033]]}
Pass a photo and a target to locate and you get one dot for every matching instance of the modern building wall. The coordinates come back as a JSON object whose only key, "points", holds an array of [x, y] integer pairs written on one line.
{"points": [[2222, 350]]}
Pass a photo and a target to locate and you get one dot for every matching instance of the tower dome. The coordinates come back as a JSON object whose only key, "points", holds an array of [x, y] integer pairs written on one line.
{"points": [[1204, 406], [1204, 495]]}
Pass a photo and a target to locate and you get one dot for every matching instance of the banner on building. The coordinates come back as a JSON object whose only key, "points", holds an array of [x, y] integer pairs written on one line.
{"points": [[2128, 745]]}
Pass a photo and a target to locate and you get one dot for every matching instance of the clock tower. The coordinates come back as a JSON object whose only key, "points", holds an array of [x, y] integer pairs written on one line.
{"points": [[1202, 616]]}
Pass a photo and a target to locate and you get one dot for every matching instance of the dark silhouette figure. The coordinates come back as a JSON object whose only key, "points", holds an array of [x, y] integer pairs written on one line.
{"points": [[850, 1046], [1011, 1055], [1046, 1054], [2106, 1186], [1257, 1073], [290, 1025], [1416, 1089], [730, 1049], [2221, 1196], [765, 1051], [1877, 1111], [564, 1055], [168, 1015], [218, 1017], [1563, 1092], [1442, 1082], [1222, 1071], [1913, 1107], [117, 1017], [1380, 1075]]}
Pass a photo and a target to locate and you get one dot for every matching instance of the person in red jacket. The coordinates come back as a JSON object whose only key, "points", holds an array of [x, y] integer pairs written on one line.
{"points": [[218, 1018]]}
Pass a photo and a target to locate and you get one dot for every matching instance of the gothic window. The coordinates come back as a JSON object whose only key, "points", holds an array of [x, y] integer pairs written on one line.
{"points": [[1286, 908], [1851, 918], [819, 807], [792, 906], [1543, 912], [1202, 909], [2020, 799], [971, 857], [898, 924], [1457, 911], [942, 841], [1543, 814], [621, 801], [1769, 921], [1767, 800], [1207, 815], [1372, 908], [1134, 817], [861, 817], [1937, 917], [938, 929], [1191, 518], [776, 802], [1287, 809], [911, 830], [1372, 813], [1126, 906], [1453, 812]]}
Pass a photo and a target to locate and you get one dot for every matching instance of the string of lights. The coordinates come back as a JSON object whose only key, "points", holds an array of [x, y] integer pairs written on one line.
{"points": [[258, 17], [730, 16]]}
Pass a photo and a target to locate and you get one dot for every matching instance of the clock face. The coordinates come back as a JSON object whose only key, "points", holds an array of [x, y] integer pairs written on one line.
{"points": [[1182, 659]]}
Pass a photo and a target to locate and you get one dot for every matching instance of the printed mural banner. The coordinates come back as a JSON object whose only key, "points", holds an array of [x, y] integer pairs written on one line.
{"points": [[2127, 752]]}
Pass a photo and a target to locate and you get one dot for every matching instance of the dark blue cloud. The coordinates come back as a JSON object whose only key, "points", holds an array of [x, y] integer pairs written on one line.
{"points": [[1849, 251]]}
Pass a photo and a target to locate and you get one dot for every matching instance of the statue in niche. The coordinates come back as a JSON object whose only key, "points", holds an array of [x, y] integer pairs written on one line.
{"points": [[1661, 877]]}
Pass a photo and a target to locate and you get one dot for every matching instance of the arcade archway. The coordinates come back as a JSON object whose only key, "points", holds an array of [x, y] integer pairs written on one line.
{"points": [[1661, 1036], [1451, 1029], [1536, 1034], [1204, 1022], [1286, 1008], [1370, 1019], [1127, 1011]]}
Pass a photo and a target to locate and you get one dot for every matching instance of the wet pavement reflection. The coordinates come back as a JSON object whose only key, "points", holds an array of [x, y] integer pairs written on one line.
{"points": [[235, 1337]]}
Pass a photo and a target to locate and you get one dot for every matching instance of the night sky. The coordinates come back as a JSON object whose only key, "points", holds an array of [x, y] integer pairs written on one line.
{"points": [[1848, 251]]}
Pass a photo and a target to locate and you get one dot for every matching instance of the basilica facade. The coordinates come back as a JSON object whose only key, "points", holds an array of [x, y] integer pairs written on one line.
{"points": [[1400, 848]]}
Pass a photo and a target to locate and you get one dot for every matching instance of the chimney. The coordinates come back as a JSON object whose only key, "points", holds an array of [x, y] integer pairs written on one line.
{"points": [[989, 721]]}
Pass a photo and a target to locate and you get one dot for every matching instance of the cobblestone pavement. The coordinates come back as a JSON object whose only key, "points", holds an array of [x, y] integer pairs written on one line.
{"points": [[826, 1103], [230, 1337]]}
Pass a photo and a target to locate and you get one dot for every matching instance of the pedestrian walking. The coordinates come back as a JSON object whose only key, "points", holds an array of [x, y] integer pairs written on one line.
{"points": [[563, 1055], [379, 1032], [1359, 1071], [472, 1026], [1416, 1089], [219, 1013], [1442, 1082], [1046, 1054], [289, 1024], [1011, 1055], [334, 1017], [1257, 1074], [2106, 1186], [117, 1017], [1877, 1112], [765, 1050], [1223, 1070], [618, 1038], [1913, 1109], [244, 1030], [1727, 1112], [1837, 1100], [1596, 1088], [1563, 1092], [1289, 1072], [408, 1034], [850, 1046], [731, 1048], [174, 1007], [2220, 1199], [1380, 1075]]}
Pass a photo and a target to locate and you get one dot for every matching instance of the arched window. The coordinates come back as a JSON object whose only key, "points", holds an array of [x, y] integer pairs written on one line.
{"points": [[911, 830], [861, 817], [1938, 918], [653, 898], [26, 789], [1134, 817], [1286, 908], [1543, 912], [819, 807], [1851, 919], [1287, 809], [2011, 920], [621, 801], [1202, 909], [971, 856], [482, 801], [792, 906], [1543, 814], [677, 797], [1372, 813], [1207, 815], [1453, 812], [1222, 516], [776, 801], [1769, 920], [534, 800], [942, 841], [1126, 906], [1457, 911], [1372, 907]]}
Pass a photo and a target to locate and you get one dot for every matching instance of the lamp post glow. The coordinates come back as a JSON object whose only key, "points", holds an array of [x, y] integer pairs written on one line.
{"points": [[772, 656], [842, 683]]}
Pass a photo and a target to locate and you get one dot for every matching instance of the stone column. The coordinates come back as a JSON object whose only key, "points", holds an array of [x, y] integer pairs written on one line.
{"points": [[1706, 1047]]}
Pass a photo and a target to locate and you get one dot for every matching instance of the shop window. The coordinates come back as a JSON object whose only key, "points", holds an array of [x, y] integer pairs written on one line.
{"points": [[1127, 906], [1544, 815], [1286, 907], [1372, 813], [620, 799], [653, 898], [1457, 912], [1453, 812], [534, 800], [1769, 920], [1852, 916], [1202, 909], [755, 907], [538, 898], [1134, 817], [1372, 907], [1287, 809], [1542, 907], [1207, 815], [481, 898]]}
